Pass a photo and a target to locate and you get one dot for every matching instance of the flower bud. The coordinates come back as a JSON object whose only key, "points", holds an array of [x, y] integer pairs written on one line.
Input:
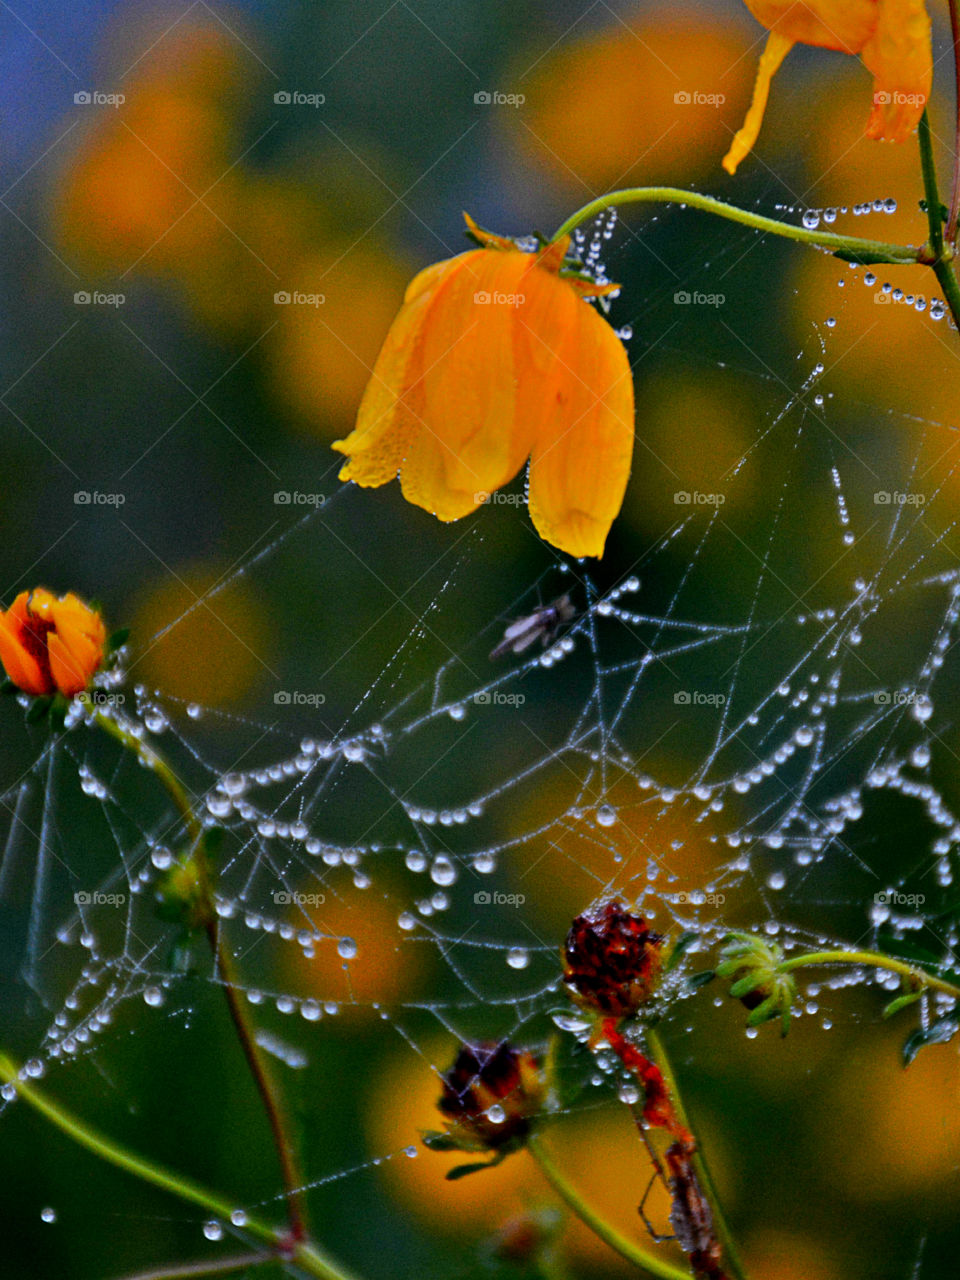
{"points": [[754, 964], [611, 960], [490, 1095], [51, 645]]}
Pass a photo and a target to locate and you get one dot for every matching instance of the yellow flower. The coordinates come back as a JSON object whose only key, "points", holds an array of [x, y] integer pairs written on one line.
{"points": [[49, 645], [891, 36], [495, 357]]}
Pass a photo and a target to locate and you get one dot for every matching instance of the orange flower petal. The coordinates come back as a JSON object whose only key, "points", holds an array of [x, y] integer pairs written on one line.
{"points": [[386, 420], [471, 441], [776, 49], [67, 670], [900, 56], [845, 25], [22, 668], [581, 459]]}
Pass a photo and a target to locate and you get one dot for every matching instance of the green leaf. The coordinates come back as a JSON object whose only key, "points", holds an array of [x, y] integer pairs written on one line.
{"points": [[8, 687], [941, 1031], [118, 639]]}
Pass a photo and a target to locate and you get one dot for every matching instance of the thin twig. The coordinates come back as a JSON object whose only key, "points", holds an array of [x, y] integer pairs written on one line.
{"points": [[211, 1267]]}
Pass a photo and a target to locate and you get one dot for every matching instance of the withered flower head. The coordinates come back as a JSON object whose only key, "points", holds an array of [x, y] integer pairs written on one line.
{"points": [[490, 1095], [612, 959]]}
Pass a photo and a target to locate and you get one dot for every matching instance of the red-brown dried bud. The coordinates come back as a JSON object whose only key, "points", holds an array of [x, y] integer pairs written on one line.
{"points": [[490, 1095], [612, 960]]}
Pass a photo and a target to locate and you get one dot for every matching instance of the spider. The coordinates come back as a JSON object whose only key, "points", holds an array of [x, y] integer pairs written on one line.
{"points": [[690, 1215]]}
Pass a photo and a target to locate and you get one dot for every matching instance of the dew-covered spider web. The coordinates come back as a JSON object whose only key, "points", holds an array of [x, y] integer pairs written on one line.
{"points": [[747, 723]]}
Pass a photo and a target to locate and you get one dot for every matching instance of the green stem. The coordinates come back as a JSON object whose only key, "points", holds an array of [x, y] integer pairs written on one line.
{"points": [[305, 1255], [640, 1257], [876, 960], [930, 190], [269, 1094], [939, 254], [851, 247], [730, 1252], [954, 211], [155, 762]]}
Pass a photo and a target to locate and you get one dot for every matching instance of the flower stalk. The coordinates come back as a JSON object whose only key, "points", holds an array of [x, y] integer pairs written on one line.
{"points": [[640, 1257], [875, 960], [731, 1256], [850, 248]]}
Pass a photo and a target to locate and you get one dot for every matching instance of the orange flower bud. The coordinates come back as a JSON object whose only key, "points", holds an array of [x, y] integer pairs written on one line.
{"points": [[891, 36], [50, 645], [496, 357]]}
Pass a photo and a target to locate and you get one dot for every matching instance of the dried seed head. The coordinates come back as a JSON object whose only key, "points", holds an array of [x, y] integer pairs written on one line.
{"points": [[612, 960]]}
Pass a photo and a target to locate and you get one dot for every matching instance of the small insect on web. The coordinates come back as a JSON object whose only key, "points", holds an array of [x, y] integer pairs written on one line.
{"points": [[543, 625]]}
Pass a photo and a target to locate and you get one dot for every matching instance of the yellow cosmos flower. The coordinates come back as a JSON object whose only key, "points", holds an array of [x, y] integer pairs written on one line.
{"points": [[50, 645], [494, 357], [891, 36]]}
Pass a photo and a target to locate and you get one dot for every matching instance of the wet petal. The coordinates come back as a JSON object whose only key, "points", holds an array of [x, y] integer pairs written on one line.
{"points": [[22, 668], [66, 668], [581, 460], [845, 25], [776, 49], [389, 411], [900, 56], [471, 441]]}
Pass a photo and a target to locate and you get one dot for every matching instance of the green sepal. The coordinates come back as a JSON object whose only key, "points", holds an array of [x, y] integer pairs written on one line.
{"points": [[461, 1170], [698, 980], [435, 1141], [901, 1002], [118, 639], [682, 946], [39, 709], [58, 712]]}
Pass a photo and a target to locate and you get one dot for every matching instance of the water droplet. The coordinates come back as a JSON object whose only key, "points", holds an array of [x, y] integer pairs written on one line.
{"points": [[161, 859], [48, 1215], [606, 815], [628, 1093], [213, 1230], [496, 1114], [239, 1217], [153, 996], [518, 958], [443, 872], [346, 948], [811, 219]]}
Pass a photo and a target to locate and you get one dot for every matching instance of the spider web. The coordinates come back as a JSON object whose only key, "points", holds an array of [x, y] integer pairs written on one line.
{"points": [[740, 728]]}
